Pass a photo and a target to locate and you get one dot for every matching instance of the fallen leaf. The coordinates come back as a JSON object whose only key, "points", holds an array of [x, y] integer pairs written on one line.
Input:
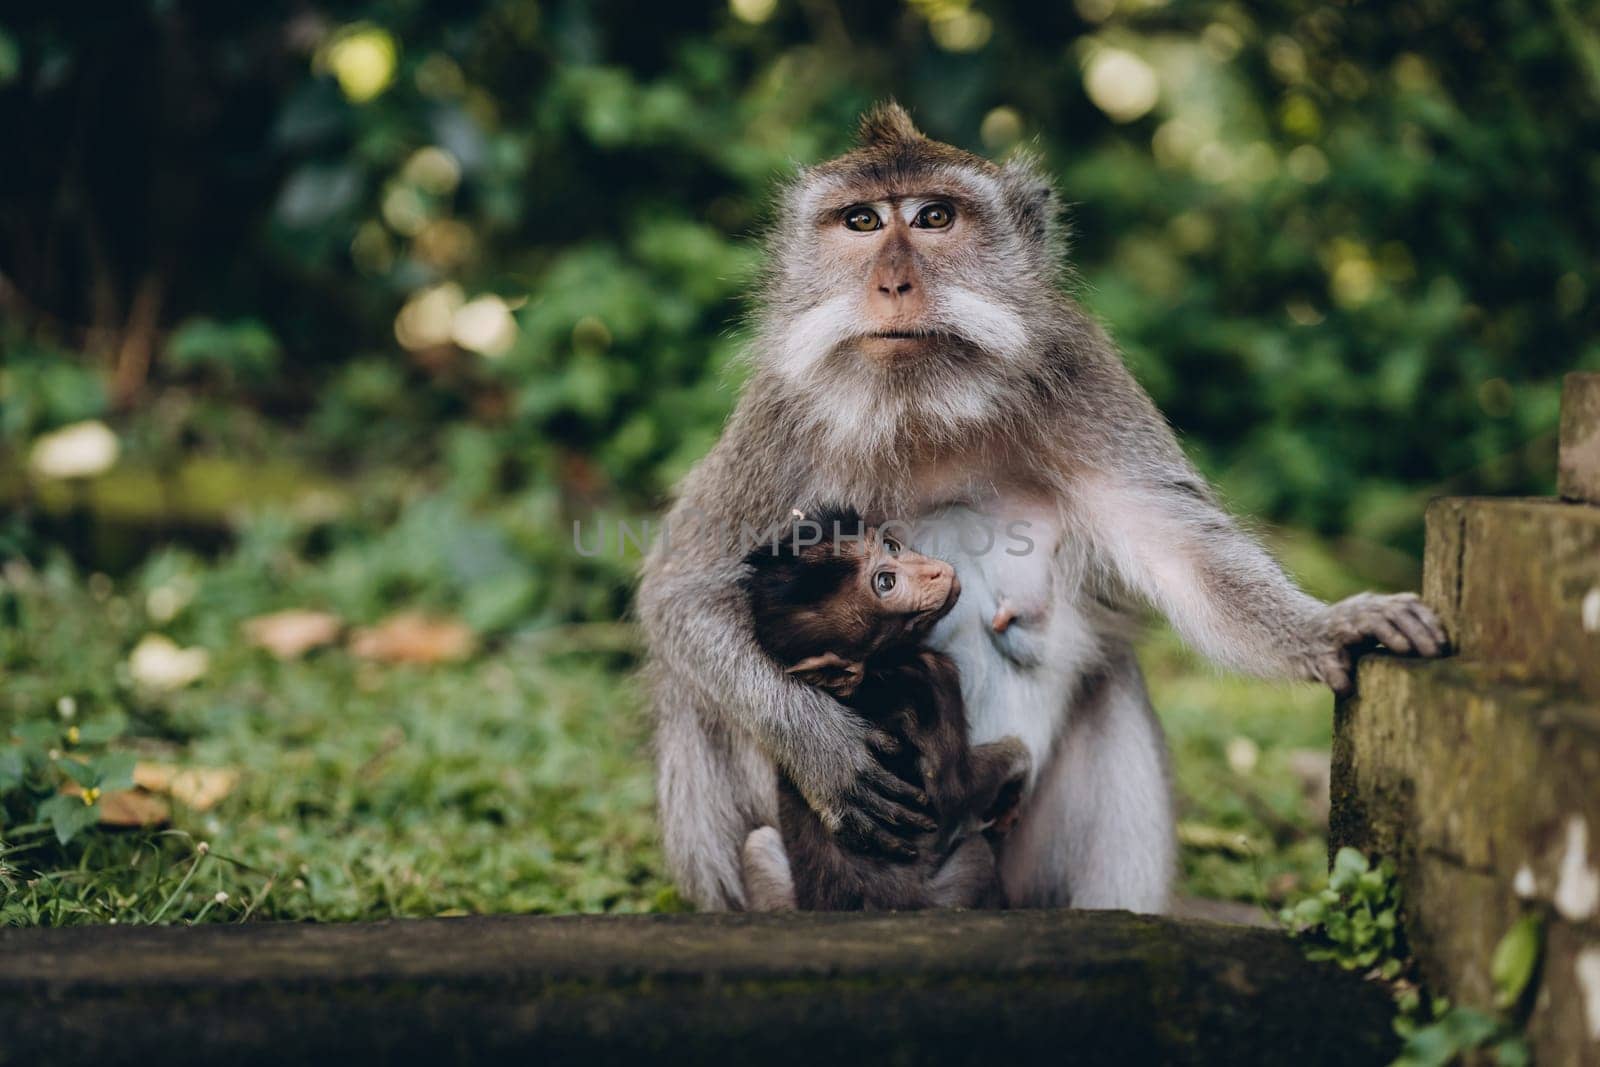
{"points": [[198, 788], [157, 663], [412, 637], [126, 807], [1206, 838], [291, 634]]}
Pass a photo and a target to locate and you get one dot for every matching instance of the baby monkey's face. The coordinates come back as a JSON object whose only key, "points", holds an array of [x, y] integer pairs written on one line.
{"points": [[907, 591]]}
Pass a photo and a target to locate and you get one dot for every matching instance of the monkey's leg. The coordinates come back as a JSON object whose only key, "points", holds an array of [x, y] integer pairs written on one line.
{"points": [[999, 773], [1098, 830], [967, 878], [710, 791], [768, 882]]}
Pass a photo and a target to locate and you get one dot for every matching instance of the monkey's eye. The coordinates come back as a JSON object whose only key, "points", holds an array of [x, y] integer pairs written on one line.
{"points": [[935, 217], [891, 546], [883, 582], [862, 220]]}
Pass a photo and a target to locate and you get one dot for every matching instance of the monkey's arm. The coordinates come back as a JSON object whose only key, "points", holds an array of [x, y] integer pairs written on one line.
{"points": [[697, 627], [1163, 534]]}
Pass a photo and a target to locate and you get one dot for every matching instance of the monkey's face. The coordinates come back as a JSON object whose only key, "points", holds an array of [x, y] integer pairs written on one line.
{"points": [[904, 277], [905, 592], [904, 270]]}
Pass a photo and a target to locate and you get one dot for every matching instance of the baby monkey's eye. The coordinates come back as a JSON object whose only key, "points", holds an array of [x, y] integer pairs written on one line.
{"points": [[862, 220], [883, 582], [935, 217], [891, 546]]}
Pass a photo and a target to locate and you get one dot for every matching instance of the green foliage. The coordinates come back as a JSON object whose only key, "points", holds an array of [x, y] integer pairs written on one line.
{"points": [[43, 754], [43, 387], [517, 781], [1355, 923], [243, 352], [1321, 220]]}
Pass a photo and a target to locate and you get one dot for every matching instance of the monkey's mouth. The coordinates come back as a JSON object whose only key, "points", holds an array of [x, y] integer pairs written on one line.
{"points": [[903, 335], [899, 346], [934, 614]]}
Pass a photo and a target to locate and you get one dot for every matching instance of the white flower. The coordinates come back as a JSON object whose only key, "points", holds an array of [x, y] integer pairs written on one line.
{"points": [[81, 450], [221, 897], [158, 663]]}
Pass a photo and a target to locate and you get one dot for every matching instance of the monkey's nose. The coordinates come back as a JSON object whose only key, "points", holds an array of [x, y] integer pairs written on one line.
{"points": [[900, 289]]}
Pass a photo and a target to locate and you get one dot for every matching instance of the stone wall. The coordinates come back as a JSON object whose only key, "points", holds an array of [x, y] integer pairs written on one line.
{"points": [[1480, 774]]}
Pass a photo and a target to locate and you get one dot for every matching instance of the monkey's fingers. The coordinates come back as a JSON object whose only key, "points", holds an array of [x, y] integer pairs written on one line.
{"points": [[1416, 631], [864, 835], [1004, 616], [1432, 639], [1336, 671], [894, 789], [897, 818], [1389, 631]]}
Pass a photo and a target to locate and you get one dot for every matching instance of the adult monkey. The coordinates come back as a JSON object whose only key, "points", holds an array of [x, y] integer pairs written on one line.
{"points": [[916, 356]]}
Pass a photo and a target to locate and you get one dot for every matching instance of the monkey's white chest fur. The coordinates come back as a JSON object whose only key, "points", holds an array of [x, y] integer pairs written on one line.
{"points": [[1018, 679]]}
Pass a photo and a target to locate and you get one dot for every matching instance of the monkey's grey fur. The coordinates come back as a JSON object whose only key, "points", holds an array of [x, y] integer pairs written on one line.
{"points": [[1018, 405]]}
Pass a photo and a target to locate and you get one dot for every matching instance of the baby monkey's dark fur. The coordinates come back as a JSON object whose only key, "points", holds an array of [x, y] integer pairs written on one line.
{"points": [[820, 611]]}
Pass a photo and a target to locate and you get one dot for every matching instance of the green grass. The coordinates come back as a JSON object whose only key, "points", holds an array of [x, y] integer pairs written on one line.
{"points": [[517, 781]]}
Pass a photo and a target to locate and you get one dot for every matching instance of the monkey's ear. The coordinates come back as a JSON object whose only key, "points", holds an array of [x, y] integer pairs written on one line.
{"points": [[887, 124], [1030, 195], [830, 671]]}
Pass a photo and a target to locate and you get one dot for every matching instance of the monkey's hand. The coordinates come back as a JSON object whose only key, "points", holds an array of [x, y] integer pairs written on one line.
{"points": [[870, 808], [1401, 623]]}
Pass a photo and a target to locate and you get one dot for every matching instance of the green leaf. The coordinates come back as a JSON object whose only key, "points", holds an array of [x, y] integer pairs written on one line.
{"points": [[1513, 1051], [12, 767], [84, 774], [1348, 867], [114, 770], [1515, 959], [37, 736], [102, 728], [1469, 1027], [68, 816]]}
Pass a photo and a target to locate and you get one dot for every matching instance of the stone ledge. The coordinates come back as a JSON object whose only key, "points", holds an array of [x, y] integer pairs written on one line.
{"points": [[1578, 469], [929, 988], [1443, 757], [1517, 583], [1483, 792]]}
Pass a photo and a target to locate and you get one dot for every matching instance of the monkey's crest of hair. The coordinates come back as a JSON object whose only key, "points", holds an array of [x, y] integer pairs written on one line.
{"points": [[995, 320], [887, 124]]}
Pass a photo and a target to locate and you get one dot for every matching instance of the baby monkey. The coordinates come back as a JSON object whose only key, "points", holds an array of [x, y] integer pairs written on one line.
{"points": [[844, 607]]}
